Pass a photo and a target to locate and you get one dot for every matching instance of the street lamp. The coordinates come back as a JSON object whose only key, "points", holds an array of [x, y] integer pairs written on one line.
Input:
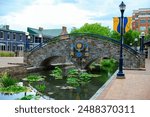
{"points": [[135, 42], [27, 40], [142, 41], [120, 73], [41, 41]]}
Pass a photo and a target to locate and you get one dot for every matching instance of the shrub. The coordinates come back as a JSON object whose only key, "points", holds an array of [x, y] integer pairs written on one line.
{"points": [[13, 89], [7, 80], [7, 54]]}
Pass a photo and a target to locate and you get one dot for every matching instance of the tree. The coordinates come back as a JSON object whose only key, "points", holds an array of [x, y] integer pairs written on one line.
{"points": [[115, 35], [95, 28], [130, 36], [147, 37]]}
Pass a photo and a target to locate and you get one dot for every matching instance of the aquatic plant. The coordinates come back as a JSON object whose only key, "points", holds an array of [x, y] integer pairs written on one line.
{"points": [[33, 78], [73, 82], [40, 87], [75, 78], [57, 73], [84, 78], [72, 72]]}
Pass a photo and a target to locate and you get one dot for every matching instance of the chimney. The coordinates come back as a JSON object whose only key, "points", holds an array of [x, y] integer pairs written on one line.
{"points": [[40, 28], [64, 30], [64, 33], [7, 27]]}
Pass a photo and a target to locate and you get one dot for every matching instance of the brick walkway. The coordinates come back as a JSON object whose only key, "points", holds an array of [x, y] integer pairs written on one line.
{"points": [[136, 86]]}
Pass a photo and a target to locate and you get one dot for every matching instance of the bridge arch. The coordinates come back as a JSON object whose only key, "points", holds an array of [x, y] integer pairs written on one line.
{"points": [[98, 47]]}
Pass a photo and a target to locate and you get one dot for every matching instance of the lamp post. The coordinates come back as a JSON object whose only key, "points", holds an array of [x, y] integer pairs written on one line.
{"points": [[41, 41], [27, 40], [135, 42], [120, 73], [142, 41]]}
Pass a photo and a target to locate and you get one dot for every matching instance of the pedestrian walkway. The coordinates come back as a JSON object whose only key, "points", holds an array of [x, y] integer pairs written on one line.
{"points": [[136, 86], [6, 61]]}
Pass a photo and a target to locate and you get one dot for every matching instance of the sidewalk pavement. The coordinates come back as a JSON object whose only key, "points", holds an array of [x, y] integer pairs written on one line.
{"points": [[135, 86], [4, 61]]}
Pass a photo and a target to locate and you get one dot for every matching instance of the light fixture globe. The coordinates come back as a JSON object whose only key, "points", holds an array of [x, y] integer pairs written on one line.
{"points": [[142, 34], [136, 39], [122, 6]]}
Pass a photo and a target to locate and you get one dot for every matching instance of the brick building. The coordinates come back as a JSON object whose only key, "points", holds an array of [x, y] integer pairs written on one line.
{"points": [[141, 20]]}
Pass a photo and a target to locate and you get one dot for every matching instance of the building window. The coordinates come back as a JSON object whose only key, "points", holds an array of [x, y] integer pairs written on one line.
{"points": [[2, 47], [8, 35], [142, 21], [20, 36], [142, 28], [37, 40], [1, 35], [14, 36]]}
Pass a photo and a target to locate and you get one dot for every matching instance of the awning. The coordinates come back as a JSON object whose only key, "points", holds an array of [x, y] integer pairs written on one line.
{"points": [[20, 45], [2, 44]]}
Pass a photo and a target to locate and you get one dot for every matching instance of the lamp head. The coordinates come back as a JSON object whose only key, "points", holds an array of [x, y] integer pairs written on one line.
{"points": [[122, 6], [142, 34]]}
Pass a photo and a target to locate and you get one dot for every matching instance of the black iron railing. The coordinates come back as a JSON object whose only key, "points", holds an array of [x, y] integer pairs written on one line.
{"points": [[74, 35]]}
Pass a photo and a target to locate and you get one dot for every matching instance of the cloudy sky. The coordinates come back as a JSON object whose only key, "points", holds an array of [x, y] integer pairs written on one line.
{"points": [[20, 14]]}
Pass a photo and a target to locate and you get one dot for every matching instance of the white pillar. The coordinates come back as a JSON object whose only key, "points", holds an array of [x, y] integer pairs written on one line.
{"points": [[148, 52]]}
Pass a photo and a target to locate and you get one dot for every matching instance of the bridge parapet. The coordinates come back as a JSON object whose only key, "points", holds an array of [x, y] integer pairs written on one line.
{"points": [[82, 49]]}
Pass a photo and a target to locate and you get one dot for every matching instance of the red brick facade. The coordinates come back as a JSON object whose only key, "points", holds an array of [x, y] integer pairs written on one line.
{"points": [[141, 20]]}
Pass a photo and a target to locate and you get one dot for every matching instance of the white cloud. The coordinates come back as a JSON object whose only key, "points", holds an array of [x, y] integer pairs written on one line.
{"points": [[56, 13]]}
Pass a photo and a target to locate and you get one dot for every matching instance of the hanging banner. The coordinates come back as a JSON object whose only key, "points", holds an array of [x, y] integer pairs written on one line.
{"points": [[127, 22]]}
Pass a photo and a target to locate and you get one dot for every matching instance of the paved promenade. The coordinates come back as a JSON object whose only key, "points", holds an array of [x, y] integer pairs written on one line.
{"points": [[136, 86], [4, 61]]}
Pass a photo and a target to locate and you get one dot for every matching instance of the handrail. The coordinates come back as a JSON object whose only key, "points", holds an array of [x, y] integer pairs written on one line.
{"points": [[57, 39]]}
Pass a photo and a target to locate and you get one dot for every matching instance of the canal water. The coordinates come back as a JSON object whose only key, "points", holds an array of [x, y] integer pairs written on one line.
{"points": [[57, 89]]}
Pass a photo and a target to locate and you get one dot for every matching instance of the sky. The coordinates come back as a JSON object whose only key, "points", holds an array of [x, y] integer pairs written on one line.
{"points": [[53, 14]]}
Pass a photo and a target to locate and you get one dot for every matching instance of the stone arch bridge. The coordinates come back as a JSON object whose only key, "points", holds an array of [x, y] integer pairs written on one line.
{"points": [[82, 49]]}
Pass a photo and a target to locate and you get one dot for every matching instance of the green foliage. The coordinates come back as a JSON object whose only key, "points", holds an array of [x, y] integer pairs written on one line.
{"points": [[115, 35], [147, 37], [72, 72], [13, 89], [6, 80], [84, 78], [34, 78], [57, 73], [40, 87], [30, 97], [7, 54], [130, 36], [74, 82], [95, 28], [108, 64], [75, 78]]}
